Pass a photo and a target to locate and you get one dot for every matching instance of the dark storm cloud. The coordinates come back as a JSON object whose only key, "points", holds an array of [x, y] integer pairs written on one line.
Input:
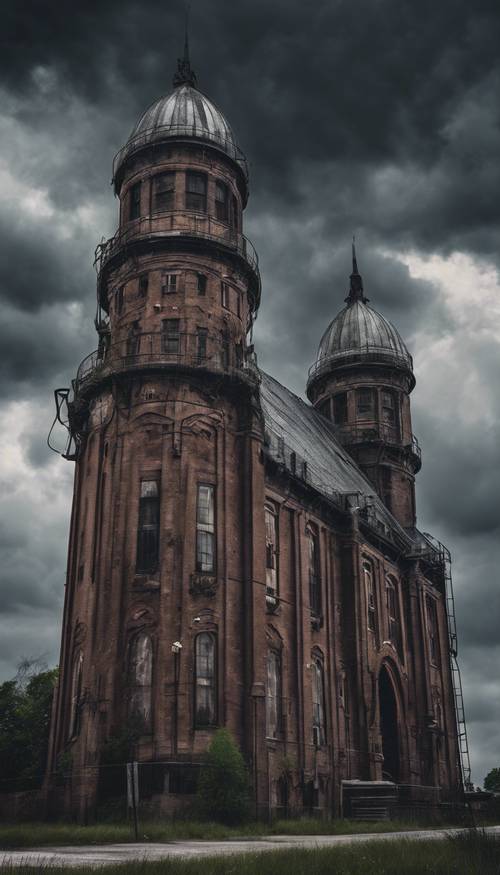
{"points": [[379, 118]]}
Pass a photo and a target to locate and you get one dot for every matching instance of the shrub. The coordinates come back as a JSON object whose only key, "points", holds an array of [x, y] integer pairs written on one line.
{"points": [[223, 792]]}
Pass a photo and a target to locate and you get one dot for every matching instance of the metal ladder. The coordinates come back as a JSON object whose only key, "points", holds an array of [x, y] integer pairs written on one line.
{"points": [[463, 745]]}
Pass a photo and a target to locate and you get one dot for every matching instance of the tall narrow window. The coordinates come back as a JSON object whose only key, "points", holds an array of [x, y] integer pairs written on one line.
{"points": [[163, 192], [135, 202], [143, 285], [76, 696], [224, 295], [235, 214], [222, 201], [196, 192], [205, 529], [149, 526], [201, 344], [393, 613], [365, 404], [388, 408], [340, 408], [271, 519], [205, 685], [140, 675], [314, 572], [171, 337], [201, 284], [133, 340], [119, 300], [318, 697], [432, 629], [273, 695], [371, 600], [169, 284], [225, 350]]}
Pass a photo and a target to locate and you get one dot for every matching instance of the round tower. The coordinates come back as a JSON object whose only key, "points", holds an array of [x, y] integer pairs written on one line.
{"points": [[155, 596], [361, 381]]}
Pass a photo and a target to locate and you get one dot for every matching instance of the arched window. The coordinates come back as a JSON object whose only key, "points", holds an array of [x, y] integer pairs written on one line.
{"points": [[271, 554], [393, 613], [273, 694], [205, 680], [76, 696], [318, 699], [140, 674], [371, 600], [314, 571]]}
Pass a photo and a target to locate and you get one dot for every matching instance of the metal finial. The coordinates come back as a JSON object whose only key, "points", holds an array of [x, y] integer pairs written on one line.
{"points": [[356, 285], [185, 75]]}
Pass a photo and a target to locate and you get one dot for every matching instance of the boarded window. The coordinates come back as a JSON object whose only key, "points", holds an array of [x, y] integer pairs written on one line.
{"points": [[371, 600], [271, 519], [365, 404], [273, 695], [205, 685], [171, 337], [222, 201], [140, 673], [205, 529], [163, 192], [314, 571], [340, 408], [318, 696], [148, 529], [432, 629], [135, 201], [76, 696], [196, 192]]}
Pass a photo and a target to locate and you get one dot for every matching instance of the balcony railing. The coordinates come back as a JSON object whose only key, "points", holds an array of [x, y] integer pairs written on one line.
{"points": [[376, 432], [167, 132], [178, 223], [346, 356], [163, 350]]}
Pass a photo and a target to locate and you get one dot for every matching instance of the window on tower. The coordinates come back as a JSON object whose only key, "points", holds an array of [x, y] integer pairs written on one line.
{"points": [[340, 408], [135, 202], [170, 337], [235, 217], [201, 284], [224, 295], [205, 680], [371, 599], [169, 284], [432, 629], [148, 529], [143, 285], [163, 192], [221, 201], [365, 404], [201, 344], [205, 529], [196, 192]]}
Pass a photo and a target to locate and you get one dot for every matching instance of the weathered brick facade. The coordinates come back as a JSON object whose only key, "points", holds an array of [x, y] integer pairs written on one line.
{"points": [[316, 668]]}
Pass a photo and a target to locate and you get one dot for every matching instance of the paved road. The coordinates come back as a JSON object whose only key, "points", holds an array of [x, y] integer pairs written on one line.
{"points": [[91, 855]]}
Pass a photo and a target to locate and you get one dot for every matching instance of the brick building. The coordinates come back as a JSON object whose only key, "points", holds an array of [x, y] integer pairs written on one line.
{"points": [[239, 557]]}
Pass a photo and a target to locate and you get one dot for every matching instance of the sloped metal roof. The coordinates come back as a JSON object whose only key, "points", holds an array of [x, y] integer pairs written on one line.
{"points": [[293, 426]]}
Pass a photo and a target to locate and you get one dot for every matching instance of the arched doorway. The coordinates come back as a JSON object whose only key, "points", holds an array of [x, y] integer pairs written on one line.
{"points": [[388, 726]]}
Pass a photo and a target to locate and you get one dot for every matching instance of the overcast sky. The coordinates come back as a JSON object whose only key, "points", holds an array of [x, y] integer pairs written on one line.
{"points": [[371, 117]]}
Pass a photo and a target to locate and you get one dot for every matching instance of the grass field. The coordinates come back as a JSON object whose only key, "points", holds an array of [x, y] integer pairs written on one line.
{"points": [[25, 835], [467, 854]]}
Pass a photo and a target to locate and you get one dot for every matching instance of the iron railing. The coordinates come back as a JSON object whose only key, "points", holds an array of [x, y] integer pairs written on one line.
{"points": [[160, 349], [382, 432], [345, 356], [178, 223], [167, 132]]}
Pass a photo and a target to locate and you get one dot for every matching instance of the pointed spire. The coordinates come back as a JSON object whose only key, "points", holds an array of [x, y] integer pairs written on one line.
{"points": [[185, 75], [356, 287]]}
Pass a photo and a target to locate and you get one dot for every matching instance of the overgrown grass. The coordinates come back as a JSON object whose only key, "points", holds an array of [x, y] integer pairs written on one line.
{"points": [[475, 854], [26, 835]]}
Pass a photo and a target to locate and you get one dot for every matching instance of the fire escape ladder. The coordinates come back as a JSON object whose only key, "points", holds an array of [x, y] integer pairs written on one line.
{"points": [[463, 744]]}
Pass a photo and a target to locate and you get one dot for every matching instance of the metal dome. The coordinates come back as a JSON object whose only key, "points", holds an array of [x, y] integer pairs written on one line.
{"points": [[359, 333], [185, 114]]}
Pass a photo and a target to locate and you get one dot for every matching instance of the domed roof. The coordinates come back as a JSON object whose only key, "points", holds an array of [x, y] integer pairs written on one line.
{"points": [[360, 333], [184, 113]]}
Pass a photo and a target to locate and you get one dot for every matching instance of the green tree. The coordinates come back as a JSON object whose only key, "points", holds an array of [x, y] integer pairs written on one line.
{"points": [[492, 781], [223, 787], [25, 708]]}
